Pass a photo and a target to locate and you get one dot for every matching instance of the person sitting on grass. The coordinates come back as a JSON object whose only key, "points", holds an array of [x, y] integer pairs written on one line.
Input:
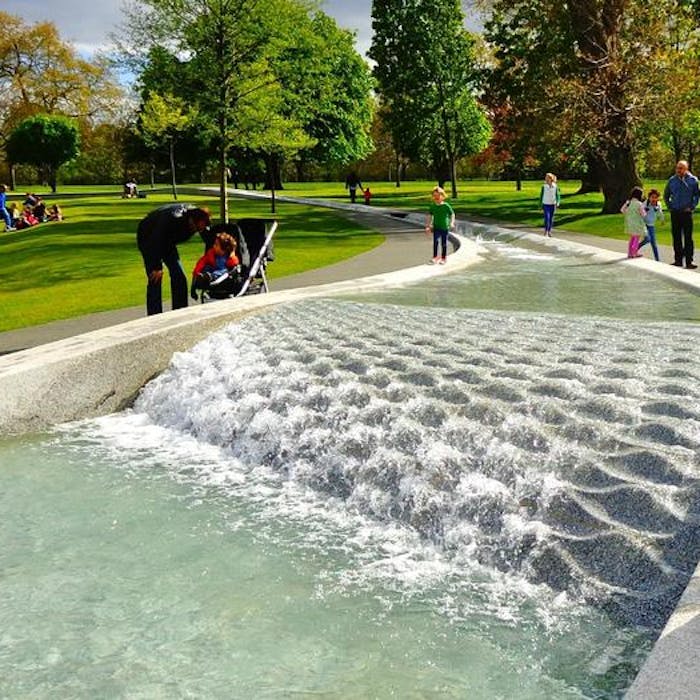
{"points": [[39, 210], [55, 213], [441, 220], [219, 259], [27, 219], [14, 213]]}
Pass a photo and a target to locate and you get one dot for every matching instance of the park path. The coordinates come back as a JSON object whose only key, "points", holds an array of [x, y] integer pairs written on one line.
{"points": [[404, 246]]}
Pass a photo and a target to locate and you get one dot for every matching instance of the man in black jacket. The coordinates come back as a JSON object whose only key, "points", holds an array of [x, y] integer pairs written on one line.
{"points": [[158, 235]]}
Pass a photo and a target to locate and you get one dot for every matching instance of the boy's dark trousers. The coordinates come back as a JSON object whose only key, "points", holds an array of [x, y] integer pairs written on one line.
{"points": [[682, 231], [440, 235]]}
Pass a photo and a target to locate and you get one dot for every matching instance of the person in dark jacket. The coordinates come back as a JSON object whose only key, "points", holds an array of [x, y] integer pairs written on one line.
{"points": [[157, 236], [681, 196]]}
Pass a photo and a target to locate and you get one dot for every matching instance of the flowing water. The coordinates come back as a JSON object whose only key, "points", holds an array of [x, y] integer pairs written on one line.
{"points": [[400, 495]]}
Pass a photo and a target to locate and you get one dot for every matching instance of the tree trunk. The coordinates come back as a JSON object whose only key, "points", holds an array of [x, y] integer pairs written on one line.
{"points": [[619, 175], [453, 175], [591, 180], [172, 167], [398, 169], [300, 167], [273, 173], [13, 178], [223, 183], [518, 179], [153, 176]]}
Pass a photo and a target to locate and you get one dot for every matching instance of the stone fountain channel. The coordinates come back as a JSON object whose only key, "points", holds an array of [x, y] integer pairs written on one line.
{"points": [[527, 441]]}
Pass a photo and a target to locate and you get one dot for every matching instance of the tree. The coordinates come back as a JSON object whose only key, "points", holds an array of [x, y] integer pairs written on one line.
{"points": [[426, 76], [163, 119], [45, 141], [327, 88], [41, 74], [224, 42], [584, 78]]}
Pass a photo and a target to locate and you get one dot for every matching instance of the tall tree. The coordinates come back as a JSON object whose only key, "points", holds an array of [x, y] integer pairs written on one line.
{"points": [[583, 76], [45, 141], [224, 42], [42, 74], [327, 89], [163, 119], [426, 76]]}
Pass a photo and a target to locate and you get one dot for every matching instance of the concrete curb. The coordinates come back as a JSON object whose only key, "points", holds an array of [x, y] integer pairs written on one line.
{"points": [[102, 371], [672, 669]]}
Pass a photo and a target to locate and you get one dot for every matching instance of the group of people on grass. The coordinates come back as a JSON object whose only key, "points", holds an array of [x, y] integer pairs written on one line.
{"points": [[681, 196], [33, 211]]}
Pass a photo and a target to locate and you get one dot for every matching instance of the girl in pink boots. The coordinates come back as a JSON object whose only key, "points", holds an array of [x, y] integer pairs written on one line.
{"points": [[635, 225]]}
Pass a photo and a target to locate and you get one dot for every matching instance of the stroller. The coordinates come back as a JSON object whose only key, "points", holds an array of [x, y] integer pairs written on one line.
{"points": [[254, 250]]}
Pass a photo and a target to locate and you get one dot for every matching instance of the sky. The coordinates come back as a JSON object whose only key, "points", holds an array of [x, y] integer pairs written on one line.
{"points": [[87, 23]]}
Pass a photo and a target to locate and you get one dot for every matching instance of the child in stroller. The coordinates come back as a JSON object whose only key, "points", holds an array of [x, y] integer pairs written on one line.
{"points": [[218, 267], [253, 248]]}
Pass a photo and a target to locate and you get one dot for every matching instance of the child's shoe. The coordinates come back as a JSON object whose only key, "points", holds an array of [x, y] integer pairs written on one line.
{"points": [[441, 261]]}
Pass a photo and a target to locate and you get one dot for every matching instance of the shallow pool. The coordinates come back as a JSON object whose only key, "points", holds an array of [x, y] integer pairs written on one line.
{"points": [[371, 498]]}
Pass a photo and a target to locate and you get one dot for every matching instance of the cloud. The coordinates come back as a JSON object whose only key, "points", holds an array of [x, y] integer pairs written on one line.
{"points": [[88, 23], [85, 23]]}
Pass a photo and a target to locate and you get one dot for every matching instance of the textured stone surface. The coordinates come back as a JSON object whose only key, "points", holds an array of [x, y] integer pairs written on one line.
{"points": [[100, 372]]}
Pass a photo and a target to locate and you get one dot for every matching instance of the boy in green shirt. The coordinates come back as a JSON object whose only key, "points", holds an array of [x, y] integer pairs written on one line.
{"points": [[441, 219]]}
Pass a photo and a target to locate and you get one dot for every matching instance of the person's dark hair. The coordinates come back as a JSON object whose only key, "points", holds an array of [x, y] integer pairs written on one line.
{"points": [[653, 192], [637, 193], [199, 214]]}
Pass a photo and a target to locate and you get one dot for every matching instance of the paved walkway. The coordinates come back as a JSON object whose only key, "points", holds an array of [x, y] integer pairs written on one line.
{"points": [[405, 246]]}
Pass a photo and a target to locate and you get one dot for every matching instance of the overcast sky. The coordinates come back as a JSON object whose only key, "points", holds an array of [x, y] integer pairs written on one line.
{"points": [[86, 23]]}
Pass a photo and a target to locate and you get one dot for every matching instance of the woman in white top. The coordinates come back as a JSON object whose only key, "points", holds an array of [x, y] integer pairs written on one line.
{"points": [[635, 225], [550, 199]]}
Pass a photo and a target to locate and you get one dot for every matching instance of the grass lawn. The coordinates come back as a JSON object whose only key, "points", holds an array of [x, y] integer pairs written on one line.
{"points": [[498, 201], [90, 262]]}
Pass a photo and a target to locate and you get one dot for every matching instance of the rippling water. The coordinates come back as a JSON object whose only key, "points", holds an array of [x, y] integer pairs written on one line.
{"points": [[365, 499], [561, 449]]}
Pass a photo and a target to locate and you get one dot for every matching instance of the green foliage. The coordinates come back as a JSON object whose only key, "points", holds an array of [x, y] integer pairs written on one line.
{"points": [[268, 78], [591, 83], [164, 118], [45, 141], [426, 75], [328, 90]]}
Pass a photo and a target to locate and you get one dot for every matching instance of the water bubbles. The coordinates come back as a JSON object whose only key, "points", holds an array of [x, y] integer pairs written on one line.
{"points": [[465, 437]]}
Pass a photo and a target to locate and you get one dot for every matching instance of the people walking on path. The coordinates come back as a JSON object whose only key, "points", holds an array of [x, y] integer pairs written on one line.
{"points": [[635, 225], [157, 236], [681, 197], [440, 220], [654, 213], [352, 182], [550, 199]]}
